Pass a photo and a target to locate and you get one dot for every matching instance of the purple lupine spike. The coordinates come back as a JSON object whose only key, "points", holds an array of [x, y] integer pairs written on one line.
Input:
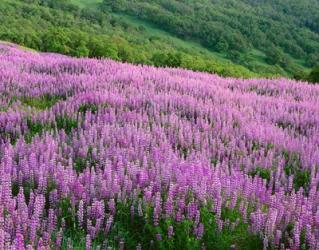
{"points": [[278, 237], [80, 213], [200, 231], [158, 237], [265, 243], [139, 208], [109, 224], [170, 232], [88, 242], [2, 238], [58, 240], [132, 212]]}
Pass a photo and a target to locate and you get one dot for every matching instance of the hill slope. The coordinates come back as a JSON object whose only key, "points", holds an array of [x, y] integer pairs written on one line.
{"points": [[285, 33], [61, 26], [236, 43], [153, 158]]}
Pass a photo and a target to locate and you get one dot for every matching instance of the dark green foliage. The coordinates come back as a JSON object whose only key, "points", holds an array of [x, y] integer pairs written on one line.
{"points": [[12, 100], [302, 179], [61, 122], [275, 56], [213, 161], [314, 75], [34, 128], [56, 40], [174, 59], [60, 26], [234, 55], [182, 150], [134, 230], [240, 238], [313, 60], [43, 102], [93, 108], [82, 163], [73, 233], [255, 145], [28, 186], [261, 172], [167, 59], [67, 213], [9, 136], [293, 167], [222, 26], [66, 123], [300, 75]]}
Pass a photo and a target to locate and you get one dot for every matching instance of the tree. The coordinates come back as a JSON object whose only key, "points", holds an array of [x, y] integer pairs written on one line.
{"points": [[222, 45], [313, 60], [79, 44], [314, 75], [159, 59], [56, 40], [100, 47], [300, 75], [82, 51], [274, 56], [125, 53], [174, 59], [234, 55], [115, 6]]}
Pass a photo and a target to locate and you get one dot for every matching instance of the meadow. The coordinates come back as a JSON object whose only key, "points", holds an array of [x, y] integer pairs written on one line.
{"points": [[97, 154]]}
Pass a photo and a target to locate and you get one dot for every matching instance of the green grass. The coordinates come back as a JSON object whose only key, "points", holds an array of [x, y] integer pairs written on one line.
{"points": [[191, 47], [134, 230], [293, 167], [88, 107], [261, 172], [166, 40], [256, 58], [44, 102], [86, 3], [253, 59], [174, 41]]}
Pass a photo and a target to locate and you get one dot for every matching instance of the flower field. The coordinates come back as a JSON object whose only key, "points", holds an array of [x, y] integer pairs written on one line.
{"points": [[96, 154]]}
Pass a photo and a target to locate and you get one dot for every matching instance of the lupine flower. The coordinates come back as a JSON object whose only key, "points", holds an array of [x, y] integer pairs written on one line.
{"points": [[88, 242], [80, 213], [200, 231], [169, 141], [158, 236], [170, 232], [265, 243]]}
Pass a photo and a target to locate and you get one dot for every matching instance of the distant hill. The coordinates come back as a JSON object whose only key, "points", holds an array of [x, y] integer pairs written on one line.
{"points": [[230, 38], [249, 32]]}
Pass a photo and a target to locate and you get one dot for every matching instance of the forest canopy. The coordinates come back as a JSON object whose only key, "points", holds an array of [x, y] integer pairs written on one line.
{"points": [[212, 36]]}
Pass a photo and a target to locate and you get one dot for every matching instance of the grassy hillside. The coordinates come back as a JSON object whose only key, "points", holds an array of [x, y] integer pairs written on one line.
{"points": [[259, 36], [79, 28], [87, 3], [259, 66], [98, 29]]}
